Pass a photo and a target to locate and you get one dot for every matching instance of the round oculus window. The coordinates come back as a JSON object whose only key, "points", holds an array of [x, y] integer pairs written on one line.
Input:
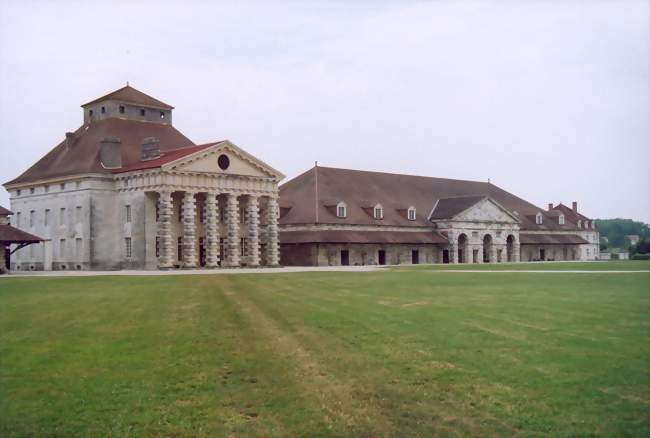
{"points": [[223, 161]]}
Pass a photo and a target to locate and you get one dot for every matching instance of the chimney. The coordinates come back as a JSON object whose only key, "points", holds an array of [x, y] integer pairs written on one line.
{"points": [[70, 140], [574, 206], [550, 206], [110, 153], [150, 149]]}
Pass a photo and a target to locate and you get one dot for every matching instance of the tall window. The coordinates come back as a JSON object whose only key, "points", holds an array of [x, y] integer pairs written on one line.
{"points": [[412, 213], [538, 218], [121, 109], [242, 215], [46, 218], [243, 247], [561, 219], [341, 210], [32, 214], [579, 223], [18, 220], [179, 249], [180, 213], [77, 214], [61, 215], [78, 247], [61, 248], [127, 213], [157, 246], [128, 249], [379, 212]]}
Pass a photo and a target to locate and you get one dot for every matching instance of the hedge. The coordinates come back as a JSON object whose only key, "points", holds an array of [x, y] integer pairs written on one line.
{"points": [[640, 257]]}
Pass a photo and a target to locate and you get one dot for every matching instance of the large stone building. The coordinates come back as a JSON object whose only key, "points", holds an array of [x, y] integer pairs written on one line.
{"points": [[348, 217], [127, 190]]}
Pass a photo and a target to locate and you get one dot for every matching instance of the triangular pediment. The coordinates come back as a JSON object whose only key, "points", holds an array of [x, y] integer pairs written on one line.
{"points": [[238, 162], [486, 210]]}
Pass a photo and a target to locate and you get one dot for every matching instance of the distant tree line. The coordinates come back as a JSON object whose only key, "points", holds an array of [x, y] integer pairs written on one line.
{"points": [[617, 230]]}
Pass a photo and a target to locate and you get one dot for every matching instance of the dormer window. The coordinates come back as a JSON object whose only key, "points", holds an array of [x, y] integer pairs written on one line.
{"points": [[561, 219], [121, 109], [142, 112], [538, 219], [162, 114], [378, 212], [341, 210], [411, 214]]}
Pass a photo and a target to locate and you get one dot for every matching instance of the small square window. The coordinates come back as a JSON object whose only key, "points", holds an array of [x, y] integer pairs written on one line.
{"points": [[121, 109]]}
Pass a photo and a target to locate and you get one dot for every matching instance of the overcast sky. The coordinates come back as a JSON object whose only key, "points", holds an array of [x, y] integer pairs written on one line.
{"points": [[549, 99]]}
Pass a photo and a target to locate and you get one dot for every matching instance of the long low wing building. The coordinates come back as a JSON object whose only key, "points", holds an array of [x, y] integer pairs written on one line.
{"points": [[331, 216]]}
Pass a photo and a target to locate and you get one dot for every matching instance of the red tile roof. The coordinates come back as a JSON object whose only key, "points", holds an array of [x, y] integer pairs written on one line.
{"points": [[551, 239], [129, 94], [165, 157], [4, 211], [83, 155], [9, 234]]}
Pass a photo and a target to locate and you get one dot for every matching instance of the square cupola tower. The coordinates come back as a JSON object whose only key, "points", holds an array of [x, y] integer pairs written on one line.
{"points": [[128, 103]]}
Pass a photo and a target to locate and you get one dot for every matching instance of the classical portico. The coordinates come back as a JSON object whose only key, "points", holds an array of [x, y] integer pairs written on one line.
{"points": [[208, 208]]}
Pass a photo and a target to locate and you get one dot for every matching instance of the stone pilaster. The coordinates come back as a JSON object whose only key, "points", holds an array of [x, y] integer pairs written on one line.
{"points": [[515, 252], [493, 253], [211, 231], [166, 248], [272, 240], [232, 225], [189, 230], [253, 222], [479, 254]]}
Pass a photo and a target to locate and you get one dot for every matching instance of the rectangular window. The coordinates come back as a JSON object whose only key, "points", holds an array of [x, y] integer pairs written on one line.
{"points": [[162, 114], [411, 214], [222, 215], [180, 213], [61, 248], [157, 211], [77, 214], [242, 215], [77, 184], [31, 251], [31, 190], [128, 250], [32, 215], [46, 188], [157, 246], [202, 214], [179, 249], [62, 216], [379, 213], [142, 112], [127, 213], [18, 192], [103, 110], [243, 247], [90, 113], [121, 109], [78, 248], [62, 186], [18, 220], [340, 211], [46, 218]]}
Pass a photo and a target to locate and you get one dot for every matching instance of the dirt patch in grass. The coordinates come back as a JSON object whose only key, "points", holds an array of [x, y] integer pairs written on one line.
{"points": [[335, 395]]}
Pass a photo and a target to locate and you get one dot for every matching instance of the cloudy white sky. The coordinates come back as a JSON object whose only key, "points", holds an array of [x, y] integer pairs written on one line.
{"points": [[548, 99]]}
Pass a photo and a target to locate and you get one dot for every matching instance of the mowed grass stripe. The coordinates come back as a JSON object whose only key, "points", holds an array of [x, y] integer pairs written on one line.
{"points": [[416, 354]]}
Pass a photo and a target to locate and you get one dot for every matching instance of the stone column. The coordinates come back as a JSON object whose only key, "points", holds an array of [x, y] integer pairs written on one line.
{"points": [[166, 247], [253, 222], [479, 254], [515, 251], [189, 230], [232, 225], [211, 231], [493, 253], [272, 241]]}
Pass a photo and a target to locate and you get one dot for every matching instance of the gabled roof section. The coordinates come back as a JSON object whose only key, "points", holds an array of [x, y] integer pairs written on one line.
{"points": [[5, 211], [447, 208], [129, 94], [309, 194], [241, 162], [83, 155]]}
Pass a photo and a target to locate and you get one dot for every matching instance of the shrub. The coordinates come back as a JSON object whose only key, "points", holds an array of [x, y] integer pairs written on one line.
{"points": [[640, 257]]}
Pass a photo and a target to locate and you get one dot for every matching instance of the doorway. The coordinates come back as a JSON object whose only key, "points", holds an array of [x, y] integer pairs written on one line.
{"points": [[445, 256], [345, 257], [415, 257], [201, 252], [542, 254], [381, 255]]}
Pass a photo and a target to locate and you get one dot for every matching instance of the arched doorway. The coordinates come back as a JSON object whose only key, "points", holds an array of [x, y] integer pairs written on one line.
{"points": [[462, 248], [487, 249], [510, 247]]}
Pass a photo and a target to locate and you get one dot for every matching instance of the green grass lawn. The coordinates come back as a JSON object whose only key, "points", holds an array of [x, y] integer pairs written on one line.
{"points": [[326, 354], [622, 265]]}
